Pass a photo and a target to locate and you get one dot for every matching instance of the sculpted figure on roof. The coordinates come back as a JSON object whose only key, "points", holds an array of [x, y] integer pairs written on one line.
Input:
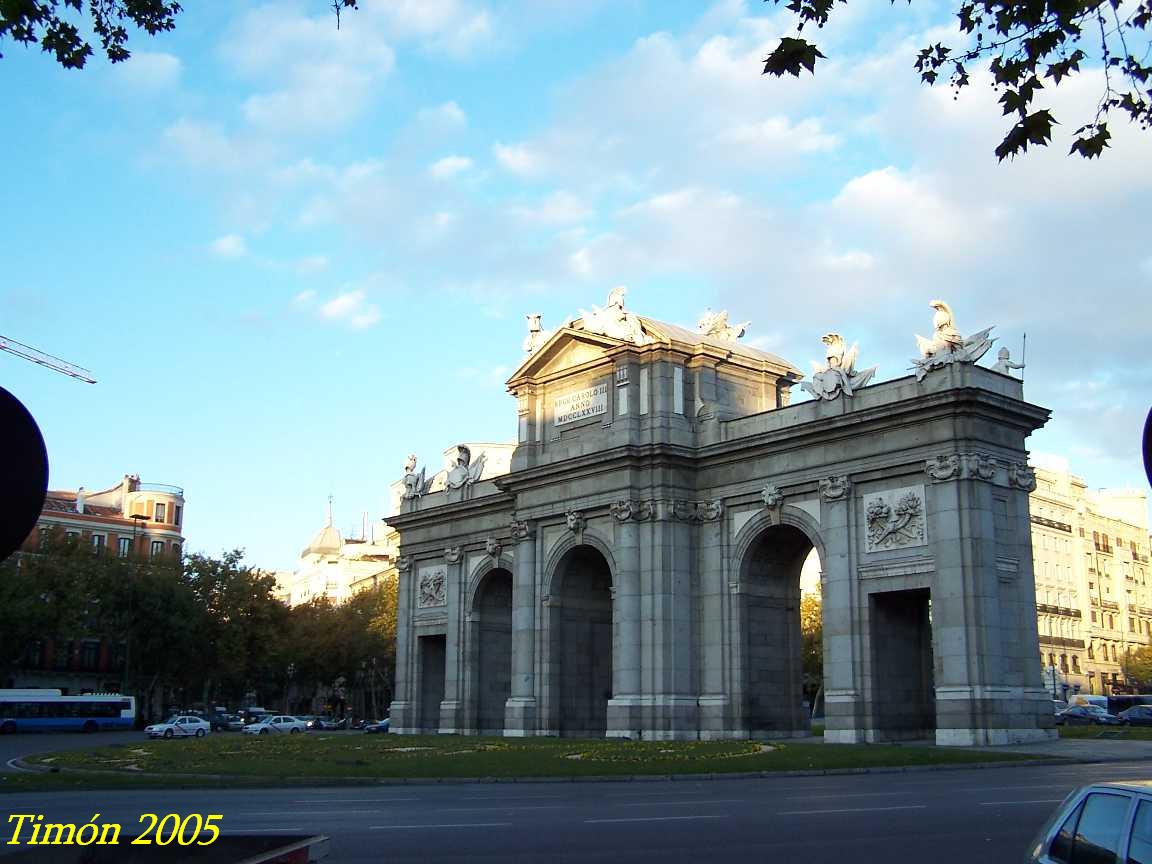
{"points": [[947, 345], [838, 375], [465, 472], [715, 324], [615, 321]]}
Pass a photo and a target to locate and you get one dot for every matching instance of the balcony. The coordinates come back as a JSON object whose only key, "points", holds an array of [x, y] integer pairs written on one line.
{"points": [[160, 487], [1050, 523], [1061, 642], [1049, 609]]}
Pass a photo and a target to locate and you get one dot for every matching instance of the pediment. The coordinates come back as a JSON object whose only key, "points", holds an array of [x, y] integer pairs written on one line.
{"points": [[565, 349]]}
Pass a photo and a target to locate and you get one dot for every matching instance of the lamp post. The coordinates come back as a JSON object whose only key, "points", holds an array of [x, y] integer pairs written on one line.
{"points": [[137, 520], [288, 688]]}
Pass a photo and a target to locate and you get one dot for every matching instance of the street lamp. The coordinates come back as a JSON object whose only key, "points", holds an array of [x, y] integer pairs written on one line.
{"points": [[291, 675]]}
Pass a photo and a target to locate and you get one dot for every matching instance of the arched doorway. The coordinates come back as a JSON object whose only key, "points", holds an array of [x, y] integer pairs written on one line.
{"points": [[492, 637], [772, 668], [582, 642]]}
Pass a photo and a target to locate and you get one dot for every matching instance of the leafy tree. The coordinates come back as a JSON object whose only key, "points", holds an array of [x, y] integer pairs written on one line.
{"points": [[1026, 43], [1137, 666], [58, 25], [812, 643]]}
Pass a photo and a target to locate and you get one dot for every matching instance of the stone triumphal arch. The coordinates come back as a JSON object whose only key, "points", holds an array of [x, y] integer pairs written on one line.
{"points": [[633, 568]]}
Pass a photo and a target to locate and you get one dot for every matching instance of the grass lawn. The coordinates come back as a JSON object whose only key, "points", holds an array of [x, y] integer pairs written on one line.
{"points": [[343, 757], [1123, 733]]}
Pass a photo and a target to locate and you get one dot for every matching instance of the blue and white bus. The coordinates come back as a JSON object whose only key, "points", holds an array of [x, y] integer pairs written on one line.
{"points": [[49, 711]]}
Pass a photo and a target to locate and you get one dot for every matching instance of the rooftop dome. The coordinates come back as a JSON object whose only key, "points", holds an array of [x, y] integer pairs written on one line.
{"points": [[327, 542]]}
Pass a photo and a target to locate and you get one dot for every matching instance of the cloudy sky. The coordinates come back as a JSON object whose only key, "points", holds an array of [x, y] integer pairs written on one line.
{"points": [[292, 254]]}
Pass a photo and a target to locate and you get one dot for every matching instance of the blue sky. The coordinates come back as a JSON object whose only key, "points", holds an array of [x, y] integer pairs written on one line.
{"points": [[293, 254]]}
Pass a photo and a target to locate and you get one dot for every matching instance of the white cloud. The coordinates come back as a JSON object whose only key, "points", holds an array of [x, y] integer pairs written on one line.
{"points": [[449, 167], [446, 116], [206, 145], [352, 308], [777, 135], [149, 71], [305, 298], [559, 208], [851, 261], [519, 159], [229, 246]]}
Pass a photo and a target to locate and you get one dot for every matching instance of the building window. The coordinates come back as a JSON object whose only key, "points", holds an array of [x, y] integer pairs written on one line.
{"points": [[157, 548], [124, 546], [1063, 662], [1113, 653], [1131, 624], [176, 549], [1093, 616], [160, 512], [1075, 663], [89, 656], [177, 512], [98, 541], [1091, 652], [72, 536]]}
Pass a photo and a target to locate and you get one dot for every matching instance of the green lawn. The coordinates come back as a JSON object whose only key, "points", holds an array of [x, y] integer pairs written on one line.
{"points": [[367, 758]]}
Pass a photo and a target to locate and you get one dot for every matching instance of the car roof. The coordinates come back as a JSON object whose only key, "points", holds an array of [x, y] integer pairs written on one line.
{"points": [[1142, 786]]}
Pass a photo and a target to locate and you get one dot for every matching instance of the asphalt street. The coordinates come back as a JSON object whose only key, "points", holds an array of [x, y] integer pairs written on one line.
{"points": [[971, 815]]}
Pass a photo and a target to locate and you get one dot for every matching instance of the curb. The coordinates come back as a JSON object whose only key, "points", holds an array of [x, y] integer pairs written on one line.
{"points": [[21, 765]]}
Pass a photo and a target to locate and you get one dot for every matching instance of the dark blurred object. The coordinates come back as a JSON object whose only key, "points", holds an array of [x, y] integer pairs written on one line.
{"points": [[1148, 446], [24, 466]]}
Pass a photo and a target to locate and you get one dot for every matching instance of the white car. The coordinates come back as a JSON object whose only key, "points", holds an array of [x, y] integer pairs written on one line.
{"points": [[181, 726], [278, 723]]}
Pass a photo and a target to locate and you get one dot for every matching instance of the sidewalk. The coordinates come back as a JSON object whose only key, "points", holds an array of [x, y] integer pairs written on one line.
{"points": [[1103, 749]]}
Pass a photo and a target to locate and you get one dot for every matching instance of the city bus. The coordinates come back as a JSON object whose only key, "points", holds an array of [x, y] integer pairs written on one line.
{"points": [[49, 711]]}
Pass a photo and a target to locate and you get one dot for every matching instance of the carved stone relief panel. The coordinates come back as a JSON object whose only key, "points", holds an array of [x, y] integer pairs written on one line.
{"points": [[432, 586], [895, 519]]}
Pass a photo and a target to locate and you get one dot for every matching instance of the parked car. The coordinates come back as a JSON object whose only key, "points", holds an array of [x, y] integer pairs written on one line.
{"points": [[276, 724], [328, 723], [1058, 706], [379, 727], [1098, 822], [1087, 715], [1137, 715], [180, 726]]}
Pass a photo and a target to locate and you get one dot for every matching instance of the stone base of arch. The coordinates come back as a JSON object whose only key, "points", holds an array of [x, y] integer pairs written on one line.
{"points": [[520, 714]]}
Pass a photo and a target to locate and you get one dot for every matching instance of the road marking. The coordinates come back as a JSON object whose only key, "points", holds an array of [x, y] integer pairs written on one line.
{"points": [[279, 813], [235, 830], [684, 803], [353, 800], [450, 825], [1068, 786], [654, 819], [512, 807], [849, 795], [1037, 801], [851, 810]]}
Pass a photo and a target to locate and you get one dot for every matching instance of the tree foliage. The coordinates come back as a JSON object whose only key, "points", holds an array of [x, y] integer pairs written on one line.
{"points": [[60, 27], [195, 630], [812, 642], [1137, 666], [1029, 45]]}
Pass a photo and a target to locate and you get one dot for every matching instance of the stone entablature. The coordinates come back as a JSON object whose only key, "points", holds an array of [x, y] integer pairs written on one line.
{"points": [[645, 555]]}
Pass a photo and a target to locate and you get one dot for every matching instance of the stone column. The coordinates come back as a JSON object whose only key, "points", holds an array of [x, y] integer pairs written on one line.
{"points": [[520, 710], [714, 706], [624, 720], [450, 707], [844, 704], [402, 708]]}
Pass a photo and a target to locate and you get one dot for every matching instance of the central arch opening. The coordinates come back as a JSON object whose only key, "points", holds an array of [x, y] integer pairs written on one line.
{"points": [[492, 637], [773, 655], [582, 643]]}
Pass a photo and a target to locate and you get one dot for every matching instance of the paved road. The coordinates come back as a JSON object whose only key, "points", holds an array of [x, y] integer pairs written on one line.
{"points": [[946, 817], [12, 746]]}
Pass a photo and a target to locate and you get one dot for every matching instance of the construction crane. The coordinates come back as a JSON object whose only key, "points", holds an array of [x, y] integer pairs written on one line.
{"points": [[30, 353]]}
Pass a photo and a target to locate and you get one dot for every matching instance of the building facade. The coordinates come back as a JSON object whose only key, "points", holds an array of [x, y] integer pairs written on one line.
{"points": [[334, 568], [636, 572], [145, 518], [1093, 601], [130, 518]]}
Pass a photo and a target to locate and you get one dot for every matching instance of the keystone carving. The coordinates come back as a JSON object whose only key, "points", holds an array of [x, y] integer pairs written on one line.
{"points": [[772, 496], [520, 530], [403, 563], [493, 547], [834, 488], [637, 510], [453, 554], [977, 466], [575, 521], [709, 511]]}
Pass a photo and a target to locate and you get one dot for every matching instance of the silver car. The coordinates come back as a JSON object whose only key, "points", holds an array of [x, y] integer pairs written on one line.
{"points": [[1101, 822]]}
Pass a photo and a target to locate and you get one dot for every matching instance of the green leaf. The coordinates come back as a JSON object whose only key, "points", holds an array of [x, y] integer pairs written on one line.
{"points": [[790, 56]]}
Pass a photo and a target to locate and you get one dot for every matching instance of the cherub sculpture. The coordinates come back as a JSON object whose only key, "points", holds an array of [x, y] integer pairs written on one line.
{"points": [[947, 345], [838, 375], [615, 321]]}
